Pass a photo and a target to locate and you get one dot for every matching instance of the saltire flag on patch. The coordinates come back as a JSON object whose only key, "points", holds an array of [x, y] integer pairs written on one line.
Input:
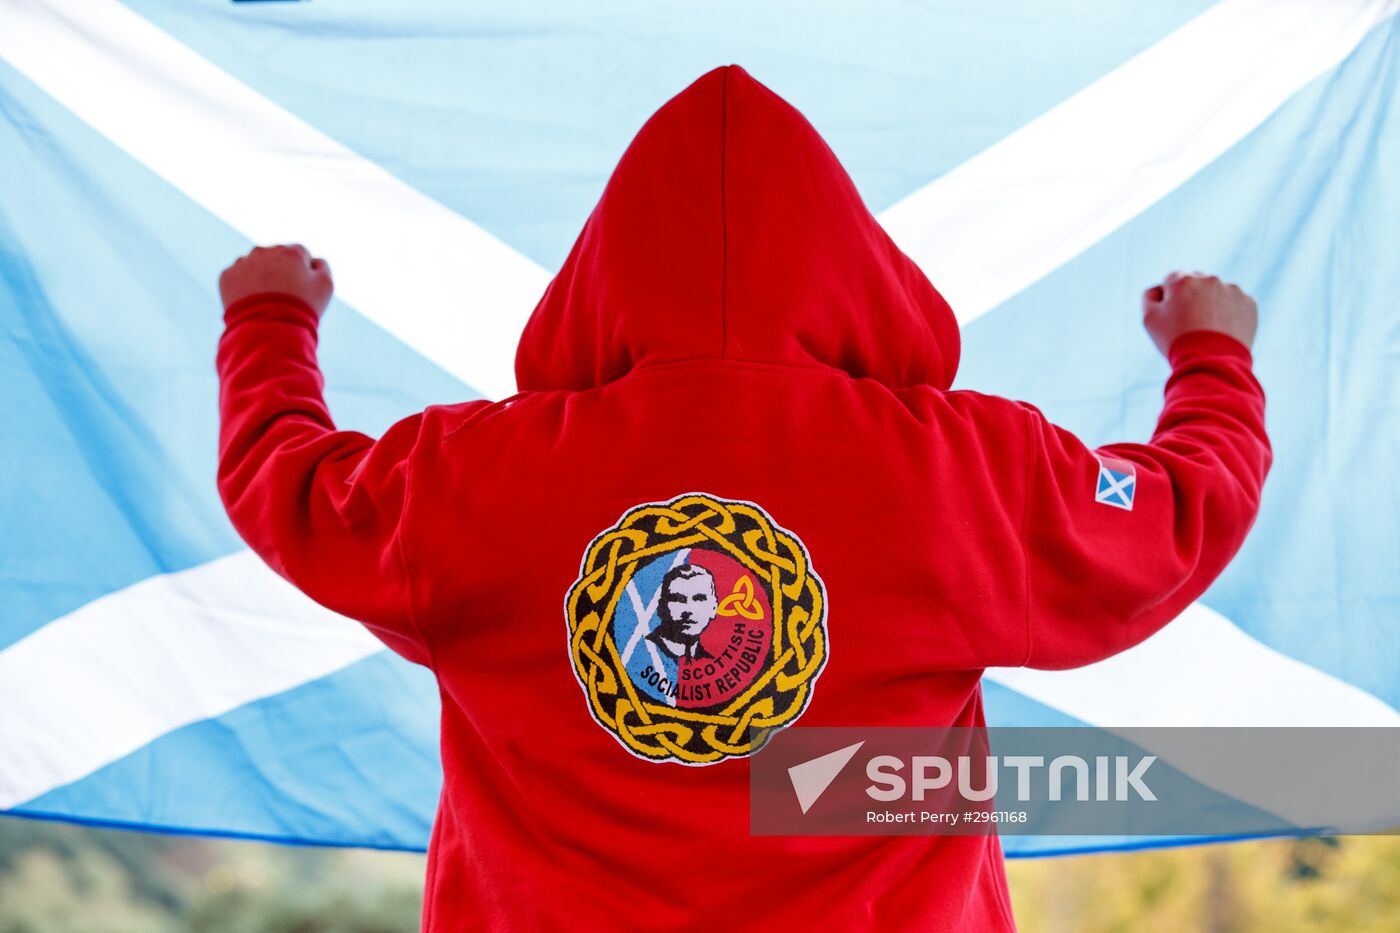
{"points": [[1117, 482], [1043, 169]]}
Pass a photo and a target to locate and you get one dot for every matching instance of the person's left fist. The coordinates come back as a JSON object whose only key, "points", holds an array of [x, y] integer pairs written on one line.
{"points": [[289, 270]]}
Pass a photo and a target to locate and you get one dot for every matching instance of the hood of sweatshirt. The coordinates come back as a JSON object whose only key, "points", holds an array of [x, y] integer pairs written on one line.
{"points": [[729, 230]]}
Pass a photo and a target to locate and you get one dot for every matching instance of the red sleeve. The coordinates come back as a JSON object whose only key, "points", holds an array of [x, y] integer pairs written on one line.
{"points": [[324, 508], [1104, 575]]}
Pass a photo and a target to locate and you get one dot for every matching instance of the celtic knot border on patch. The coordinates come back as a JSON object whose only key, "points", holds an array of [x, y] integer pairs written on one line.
{"points": [[765, 567]]}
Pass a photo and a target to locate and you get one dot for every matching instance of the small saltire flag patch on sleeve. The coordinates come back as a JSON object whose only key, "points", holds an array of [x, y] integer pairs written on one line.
{"points": [[1117, 482]]}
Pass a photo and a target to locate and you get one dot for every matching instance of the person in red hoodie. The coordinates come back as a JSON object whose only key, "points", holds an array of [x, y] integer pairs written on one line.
{"points": [[734, 398]]}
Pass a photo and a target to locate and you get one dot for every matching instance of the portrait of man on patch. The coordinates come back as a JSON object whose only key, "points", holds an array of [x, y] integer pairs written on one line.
{"points": [[688, 606]]}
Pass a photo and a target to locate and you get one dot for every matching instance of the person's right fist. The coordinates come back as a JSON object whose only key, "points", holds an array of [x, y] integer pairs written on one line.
{"points": [[289, 270], [1186, 302]]}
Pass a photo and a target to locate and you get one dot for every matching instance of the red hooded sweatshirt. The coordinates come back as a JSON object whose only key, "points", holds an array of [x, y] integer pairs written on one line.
{"points": [[734, 491]]}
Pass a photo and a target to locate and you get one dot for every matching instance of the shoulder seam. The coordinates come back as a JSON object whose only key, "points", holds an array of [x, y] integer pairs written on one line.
{"points": [[479, 412], [1032, 462], [401, 549]]}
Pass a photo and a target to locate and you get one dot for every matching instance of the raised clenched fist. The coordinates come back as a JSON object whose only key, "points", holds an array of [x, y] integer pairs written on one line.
{"points": [[289, 270], [1193, 301]]}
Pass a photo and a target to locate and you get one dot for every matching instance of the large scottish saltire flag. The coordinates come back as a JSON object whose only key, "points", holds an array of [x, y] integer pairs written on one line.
{"points": [[1043, 163]]}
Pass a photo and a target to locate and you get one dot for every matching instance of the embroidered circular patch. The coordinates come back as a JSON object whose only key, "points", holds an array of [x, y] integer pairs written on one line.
{"points": [[696, 627]]}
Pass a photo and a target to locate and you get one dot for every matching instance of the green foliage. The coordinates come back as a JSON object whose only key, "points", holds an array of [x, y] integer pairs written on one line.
{"points": [[56, 878], [314, 911], [1320, 885]]}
